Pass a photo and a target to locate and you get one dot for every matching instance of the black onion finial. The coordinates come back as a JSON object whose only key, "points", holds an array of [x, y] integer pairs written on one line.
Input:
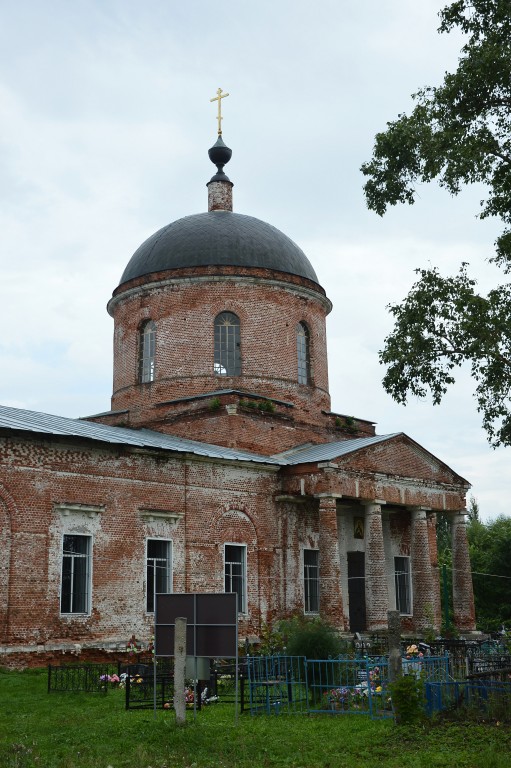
{"points": [[220, 154]]}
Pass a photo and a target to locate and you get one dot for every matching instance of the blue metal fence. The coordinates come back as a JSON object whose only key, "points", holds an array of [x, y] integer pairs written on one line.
{"points": [[490, 697], [277, 684], [349, 686], [296, 685]]}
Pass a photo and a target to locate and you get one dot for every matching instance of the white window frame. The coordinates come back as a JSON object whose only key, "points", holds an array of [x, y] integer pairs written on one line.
{"points": [[303, 353], [227, 344], [311, 578], [406, 575], [75, 558], [228, 574], [167, 577], [147, 352]]}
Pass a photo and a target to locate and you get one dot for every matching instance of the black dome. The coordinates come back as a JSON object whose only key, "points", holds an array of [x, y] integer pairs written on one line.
{"points": [[218, 238]]}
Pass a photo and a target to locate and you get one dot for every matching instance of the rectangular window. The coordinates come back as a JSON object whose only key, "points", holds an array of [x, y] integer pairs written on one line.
{"points": [[311, 580], [403, 585], [76, 574], [158, 570], [235, 573]]}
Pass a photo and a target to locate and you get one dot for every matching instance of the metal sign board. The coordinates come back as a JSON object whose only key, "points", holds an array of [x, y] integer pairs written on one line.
{"points": [[211, 623]]}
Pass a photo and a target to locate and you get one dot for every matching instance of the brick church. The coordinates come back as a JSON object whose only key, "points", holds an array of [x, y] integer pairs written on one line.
{"points": [[220, 466]]}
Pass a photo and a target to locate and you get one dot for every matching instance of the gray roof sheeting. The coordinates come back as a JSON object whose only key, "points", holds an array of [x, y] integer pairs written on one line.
{"points": [[45, 423], [218, 238], [32, 421], [328, 451]]}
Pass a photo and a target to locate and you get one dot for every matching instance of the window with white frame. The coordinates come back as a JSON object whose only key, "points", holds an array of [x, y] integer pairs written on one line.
{"points": [[303, 353], [403, 585], [147, 352], [227, 345], [235, 573], [311, 580], [158, 570], [75, 594]]}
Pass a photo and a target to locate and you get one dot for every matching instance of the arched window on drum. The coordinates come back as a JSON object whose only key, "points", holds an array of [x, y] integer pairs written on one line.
{"points": [[147, 352], [303, 353], [227, 345]]}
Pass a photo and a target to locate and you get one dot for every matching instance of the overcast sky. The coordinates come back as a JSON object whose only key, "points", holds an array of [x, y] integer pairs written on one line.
{"points": [[105, 122]]}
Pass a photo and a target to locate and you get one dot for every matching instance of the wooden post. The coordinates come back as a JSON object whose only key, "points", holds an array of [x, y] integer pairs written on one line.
{"points": [[179, 670]]}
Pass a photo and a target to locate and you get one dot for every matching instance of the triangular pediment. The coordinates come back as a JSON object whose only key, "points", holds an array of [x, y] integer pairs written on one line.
{"points": [[399, 456]]}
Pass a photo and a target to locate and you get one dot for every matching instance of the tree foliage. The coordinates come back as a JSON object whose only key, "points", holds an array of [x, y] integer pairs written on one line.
{"points": [[310, 636], [490, 548], [458, 133]]}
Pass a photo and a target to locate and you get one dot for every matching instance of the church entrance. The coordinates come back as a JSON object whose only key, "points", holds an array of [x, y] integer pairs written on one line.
{"points": [[357, 591]]}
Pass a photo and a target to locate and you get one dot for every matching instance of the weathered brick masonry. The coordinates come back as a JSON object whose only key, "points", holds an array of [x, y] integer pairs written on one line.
{"points": [[323, 517]]}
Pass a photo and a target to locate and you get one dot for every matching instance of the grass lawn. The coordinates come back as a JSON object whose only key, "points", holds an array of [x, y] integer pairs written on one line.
{"points": [[66, 730]]}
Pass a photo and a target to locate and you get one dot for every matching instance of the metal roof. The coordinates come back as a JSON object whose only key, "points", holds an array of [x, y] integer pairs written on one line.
{"points": [[45, 423], [218, 238], [328, 451]]}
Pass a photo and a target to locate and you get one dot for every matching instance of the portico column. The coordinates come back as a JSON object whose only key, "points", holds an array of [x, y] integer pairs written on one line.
{"points": [[423, 593], [330, 591], [377, 596], [462, 590], [435, 570]]}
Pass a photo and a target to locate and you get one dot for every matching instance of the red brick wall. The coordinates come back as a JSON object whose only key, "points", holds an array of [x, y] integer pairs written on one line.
{"points": [[269, 306], [213, 502]]}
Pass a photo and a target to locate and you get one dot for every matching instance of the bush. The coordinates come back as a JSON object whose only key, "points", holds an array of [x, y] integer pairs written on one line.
{"points": [[310, 637], [407, 694]]}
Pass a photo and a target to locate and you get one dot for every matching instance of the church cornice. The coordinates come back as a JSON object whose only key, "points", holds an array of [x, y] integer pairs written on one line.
{"points": [[289, 285]]}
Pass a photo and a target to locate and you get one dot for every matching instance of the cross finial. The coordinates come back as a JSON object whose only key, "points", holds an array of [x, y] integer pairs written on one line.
{"points": [[219, 96]]}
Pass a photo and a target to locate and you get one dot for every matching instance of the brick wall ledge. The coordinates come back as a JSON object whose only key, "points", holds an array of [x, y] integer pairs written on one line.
{"points": [[74, 648]]}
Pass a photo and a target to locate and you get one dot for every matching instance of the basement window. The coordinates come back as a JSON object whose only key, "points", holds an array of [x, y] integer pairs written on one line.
{"points": [[311, 580], [158, 570], [227, 345], [402, 584], [75, 595], [235, 573]]}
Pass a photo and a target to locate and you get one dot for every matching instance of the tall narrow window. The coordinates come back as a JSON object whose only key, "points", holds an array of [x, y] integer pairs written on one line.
{"points": [[227, 345], [158, 570], [76, 574], [403, 585], [303, 353], [311, 580], [147, 352], [235, 573]]}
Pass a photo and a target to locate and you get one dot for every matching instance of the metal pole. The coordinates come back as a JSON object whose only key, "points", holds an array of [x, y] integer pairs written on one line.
{"points": [[236, 674], [154, 682], [154, 641]]}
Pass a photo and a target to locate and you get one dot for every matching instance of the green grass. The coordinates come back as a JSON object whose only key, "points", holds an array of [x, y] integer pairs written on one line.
{"points": [[66, 730]]}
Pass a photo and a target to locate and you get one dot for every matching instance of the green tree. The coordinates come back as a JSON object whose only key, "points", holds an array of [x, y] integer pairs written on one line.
{"points": [[312, 637], [458, 133], [490, 549]]}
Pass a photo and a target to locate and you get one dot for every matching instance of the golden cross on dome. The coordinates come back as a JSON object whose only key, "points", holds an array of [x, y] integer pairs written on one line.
{"points": [[220, 95]]}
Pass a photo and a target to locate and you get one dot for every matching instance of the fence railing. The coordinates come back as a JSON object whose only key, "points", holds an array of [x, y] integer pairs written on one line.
{"points": [[140, 690], [296, 685], [491, 698], [277, 684], [85, 678]]}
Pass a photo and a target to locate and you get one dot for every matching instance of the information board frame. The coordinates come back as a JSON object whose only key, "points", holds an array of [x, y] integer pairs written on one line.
{"points": [[211, 623]]}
